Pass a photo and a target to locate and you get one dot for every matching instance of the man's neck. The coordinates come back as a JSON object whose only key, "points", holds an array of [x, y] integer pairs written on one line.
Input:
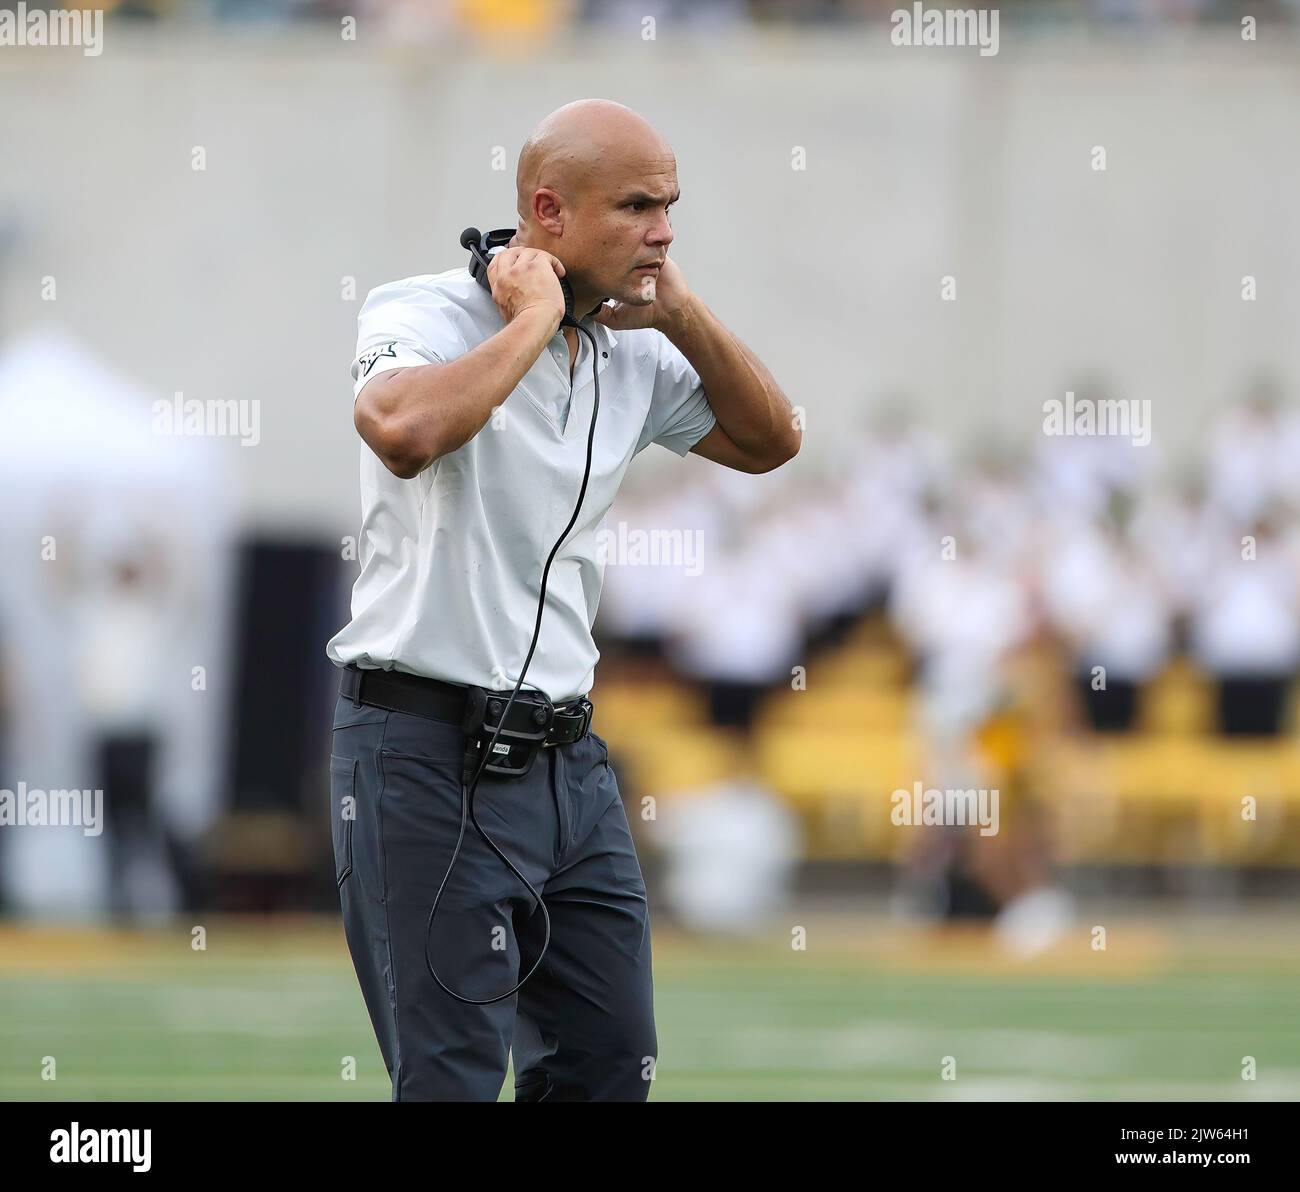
{"points": [[584, 301]]}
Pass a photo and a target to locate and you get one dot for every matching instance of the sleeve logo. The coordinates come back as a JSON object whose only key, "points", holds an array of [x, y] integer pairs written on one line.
{"points": [[368, 358]]}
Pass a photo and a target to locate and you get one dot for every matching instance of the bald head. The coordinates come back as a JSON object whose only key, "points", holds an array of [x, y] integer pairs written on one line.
{"points": [[595, 182], [575, 143]]}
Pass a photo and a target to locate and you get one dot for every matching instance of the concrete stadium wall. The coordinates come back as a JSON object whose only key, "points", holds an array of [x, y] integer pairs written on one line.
{"points": [[329, 160]]}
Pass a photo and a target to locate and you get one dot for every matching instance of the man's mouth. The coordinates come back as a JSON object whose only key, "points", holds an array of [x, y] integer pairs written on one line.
{"points": [[656, 265]]}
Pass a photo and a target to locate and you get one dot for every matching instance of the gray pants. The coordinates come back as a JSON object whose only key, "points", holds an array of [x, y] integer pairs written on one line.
{"points": [[582, 1028]]}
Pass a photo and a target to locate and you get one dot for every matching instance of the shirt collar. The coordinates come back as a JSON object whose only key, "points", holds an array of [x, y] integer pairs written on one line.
{"points": [[605, 336]]}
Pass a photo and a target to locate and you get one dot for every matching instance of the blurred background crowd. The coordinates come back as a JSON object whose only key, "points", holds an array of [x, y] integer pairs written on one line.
{"points": [[1127, 564], [1110, 641], [506, 16]]}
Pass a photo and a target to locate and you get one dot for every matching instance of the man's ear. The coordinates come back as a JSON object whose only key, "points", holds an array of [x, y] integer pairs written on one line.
{"points": [[546, 210]]}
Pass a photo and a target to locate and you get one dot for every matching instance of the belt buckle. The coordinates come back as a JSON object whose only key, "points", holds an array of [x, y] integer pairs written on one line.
{"points": [[557, 709], [585, 705]]}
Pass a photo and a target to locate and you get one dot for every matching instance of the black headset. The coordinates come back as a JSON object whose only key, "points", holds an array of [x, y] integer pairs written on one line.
{"points": [[480, 245]]}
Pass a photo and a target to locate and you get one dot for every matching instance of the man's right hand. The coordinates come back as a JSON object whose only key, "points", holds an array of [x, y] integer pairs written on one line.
{"points": [[410, 417], [524, 278]]}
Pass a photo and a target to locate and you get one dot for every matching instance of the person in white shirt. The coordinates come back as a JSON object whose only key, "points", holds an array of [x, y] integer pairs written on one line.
{"points": [[475, 408], [1245, 625]]}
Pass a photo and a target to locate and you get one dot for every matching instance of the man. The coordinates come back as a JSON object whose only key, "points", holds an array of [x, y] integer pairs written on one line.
{"points": [[475, 409]]}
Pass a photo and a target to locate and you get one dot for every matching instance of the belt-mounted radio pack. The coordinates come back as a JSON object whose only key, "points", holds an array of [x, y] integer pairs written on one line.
{"points": [[505, 735], [511, 740]]}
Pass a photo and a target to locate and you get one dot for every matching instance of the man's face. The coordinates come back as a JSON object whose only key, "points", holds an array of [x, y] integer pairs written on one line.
{"points": [[621, 226]]}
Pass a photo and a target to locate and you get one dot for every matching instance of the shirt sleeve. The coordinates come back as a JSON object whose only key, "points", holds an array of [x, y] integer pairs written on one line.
{"points": [[401, 324], [680, 414]]}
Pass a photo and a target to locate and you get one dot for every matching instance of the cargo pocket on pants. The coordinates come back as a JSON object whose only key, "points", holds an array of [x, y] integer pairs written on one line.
{"points": [[343, 812]]}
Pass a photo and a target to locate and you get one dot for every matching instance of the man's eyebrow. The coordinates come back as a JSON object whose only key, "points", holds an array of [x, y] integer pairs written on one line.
{"points": [[642, 196]]}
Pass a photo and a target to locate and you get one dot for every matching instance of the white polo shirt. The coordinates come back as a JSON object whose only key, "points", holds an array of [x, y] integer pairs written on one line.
{"points": [[451, 560]]}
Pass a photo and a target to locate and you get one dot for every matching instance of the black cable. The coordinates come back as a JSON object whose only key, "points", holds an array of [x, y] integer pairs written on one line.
{"points": [[467, 792]]}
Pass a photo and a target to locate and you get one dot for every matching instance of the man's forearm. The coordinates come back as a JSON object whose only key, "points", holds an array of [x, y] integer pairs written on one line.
{"points": [[745, 397], [412, 416]]}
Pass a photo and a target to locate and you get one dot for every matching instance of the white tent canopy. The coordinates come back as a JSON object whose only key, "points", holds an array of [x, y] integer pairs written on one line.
{"points": [[116, 541]]}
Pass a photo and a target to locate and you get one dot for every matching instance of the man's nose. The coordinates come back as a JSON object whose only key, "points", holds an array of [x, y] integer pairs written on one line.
{"points": [[663, 232]]}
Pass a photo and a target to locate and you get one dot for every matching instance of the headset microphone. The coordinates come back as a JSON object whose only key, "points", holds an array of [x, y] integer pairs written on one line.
{"points": [[480, 246]]}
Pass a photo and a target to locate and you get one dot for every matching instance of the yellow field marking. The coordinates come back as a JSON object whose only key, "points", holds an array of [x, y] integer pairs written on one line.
{"points": [[835, 941]]}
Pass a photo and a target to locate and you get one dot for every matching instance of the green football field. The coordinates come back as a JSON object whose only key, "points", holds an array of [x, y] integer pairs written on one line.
{"points": [[1169, 1011]]}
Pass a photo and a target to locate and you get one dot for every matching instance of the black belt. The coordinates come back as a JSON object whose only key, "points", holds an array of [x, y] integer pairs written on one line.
{"points": [[398, 691]]}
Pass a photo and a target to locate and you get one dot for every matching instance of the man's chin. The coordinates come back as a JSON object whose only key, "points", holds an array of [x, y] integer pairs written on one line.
{"points": [[641, 294]]}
